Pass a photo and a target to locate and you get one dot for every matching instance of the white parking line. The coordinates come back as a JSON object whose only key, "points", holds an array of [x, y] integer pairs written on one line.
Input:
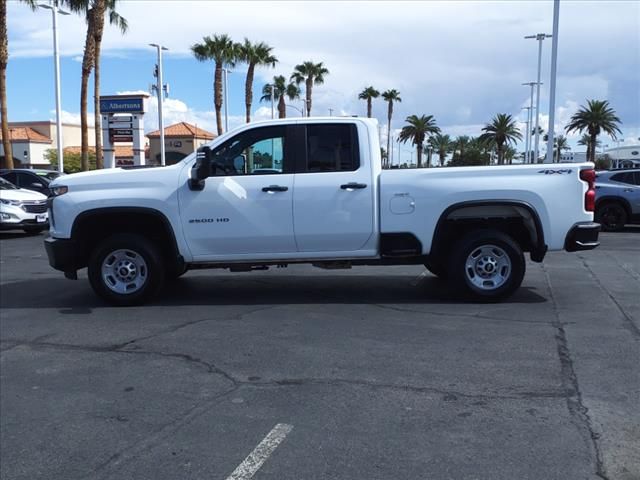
{"points": [[261, 453]]}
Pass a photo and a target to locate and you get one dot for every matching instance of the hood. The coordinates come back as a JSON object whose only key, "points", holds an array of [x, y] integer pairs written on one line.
{"points": [[21, 195]]}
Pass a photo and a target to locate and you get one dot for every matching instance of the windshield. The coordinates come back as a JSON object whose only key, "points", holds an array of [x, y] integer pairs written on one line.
{"points": [[5, 185]]}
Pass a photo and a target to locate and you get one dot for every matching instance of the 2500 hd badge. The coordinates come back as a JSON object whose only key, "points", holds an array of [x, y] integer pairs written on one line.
{"points": [[208, 220]]}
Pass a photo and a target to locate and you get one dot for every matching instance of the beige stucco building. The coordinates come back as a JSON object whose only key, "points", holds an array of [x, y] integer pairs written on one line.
{"points": [[180, 140]]}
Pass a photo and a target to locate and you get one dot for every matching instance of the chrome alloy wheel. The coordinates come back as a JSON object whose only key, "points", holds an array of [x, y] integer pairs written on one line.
{"points": [[488, 267], [124, 271]]}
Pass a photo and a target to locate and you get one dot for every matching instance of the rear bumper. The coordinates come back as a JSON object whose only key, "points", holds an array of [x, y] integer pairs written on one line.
{"points": [[61, 253], [582, 236]]}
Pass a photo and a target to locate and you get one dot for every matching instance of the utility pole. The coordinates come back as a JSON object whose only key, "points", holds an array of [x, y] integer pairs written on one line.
{"points": [[55, 10], [540, 38], [331, 112], [552, 83], [159, 87]]}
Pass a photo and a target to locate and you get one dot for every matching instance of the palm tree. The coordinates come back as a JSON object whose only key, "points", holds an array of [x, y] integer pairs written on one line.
{"points": [[586, 141], [416, 131], [94, 12], [4, 60], [223, 52], [441, 144], [501, 130], [596, 117], [369, 94], [461, 143], [390, 96], [280, 90], [254, 54], [510, 153], [559, 144], [310, 73]]}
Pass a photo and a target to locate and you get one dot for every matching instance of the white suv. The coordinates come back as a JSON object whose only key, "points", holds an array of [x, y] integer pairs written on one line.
{"points": [[22, 209]]}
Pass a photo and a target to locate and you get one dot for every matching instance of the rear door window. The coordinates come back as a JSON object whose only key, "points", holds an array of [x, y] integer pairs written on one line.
{"points": [[625, 177], [332, 148]]}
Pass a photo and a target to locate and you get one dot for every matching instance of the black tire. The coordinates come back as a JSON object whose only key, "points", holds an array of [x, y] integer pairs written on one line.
{"points": [[34, 230], [147, 263], [496, 287], [612, 216], [437, 269]]}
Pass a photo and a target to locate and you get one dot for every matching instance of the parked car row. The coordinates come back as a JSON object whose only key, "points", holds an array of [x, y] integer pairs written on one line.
{"points": [[22, 209]]}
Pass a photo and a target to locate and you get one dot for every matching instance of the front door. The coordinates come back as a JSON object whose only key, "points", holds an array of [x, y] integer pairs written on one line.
{"points": [[333, 201], [245, 208]]}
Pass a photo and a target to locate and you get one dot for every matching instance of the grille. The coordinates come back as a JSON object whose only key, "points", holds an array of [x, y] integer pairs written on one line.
{"points": [[35, 207]]}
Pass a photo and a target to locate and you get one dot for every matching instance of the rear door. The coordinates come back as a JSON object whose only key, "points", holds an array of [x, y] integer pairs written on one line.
{"points": [[333, 204]]}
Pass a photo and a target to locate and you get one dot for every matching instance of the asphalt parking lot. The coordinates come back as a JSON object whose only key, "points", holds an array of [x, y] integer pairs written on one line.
{"points": [[370, 373]]}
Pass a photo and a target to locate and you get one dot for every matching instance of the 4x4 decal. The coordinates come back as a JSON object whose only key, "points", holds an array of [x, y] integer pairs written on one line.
{"points": [[549, 171]]}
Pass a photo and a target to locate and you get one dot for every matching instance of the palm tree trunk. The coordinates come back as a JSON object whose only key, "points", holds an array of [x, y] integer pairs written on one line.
{"points": [[4, 58], [369, 107], [419, 148], [248, 91], [87, 65], [309, 85], [282, 107], [594, 142], [96, 87], [217, 96], [389, 115]]}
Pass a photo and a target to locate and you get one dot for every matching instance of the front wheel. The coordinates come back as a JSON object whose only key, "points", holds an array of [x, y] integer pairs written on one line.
{"points": [[126, 269], [487, 264]]}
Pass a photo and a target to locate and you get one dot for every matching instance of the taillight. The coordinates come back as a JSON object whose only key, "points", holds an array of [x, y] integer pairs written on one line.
{"points": [[589, 176]]}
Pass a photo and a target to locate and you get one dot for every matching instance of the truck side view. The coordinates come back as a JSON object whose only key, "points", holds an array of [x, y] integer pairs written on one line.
{"points": [[312, 191]]}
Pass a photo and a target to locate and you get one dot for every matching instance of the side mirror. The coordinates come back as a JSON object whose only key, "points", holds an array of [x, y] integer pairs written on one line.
{"points": [[240, 163], [37, 186], [201, 170]]}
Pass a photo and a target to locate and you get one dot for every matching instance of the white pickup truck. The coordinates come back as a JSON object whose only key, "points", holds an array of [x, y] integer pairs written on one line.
{"points": [[312, 191]]}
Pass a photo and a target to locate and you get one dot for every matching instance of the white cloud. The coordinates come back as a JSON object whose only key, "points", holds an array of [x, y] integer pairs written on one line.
{"points": [[71, 117]]}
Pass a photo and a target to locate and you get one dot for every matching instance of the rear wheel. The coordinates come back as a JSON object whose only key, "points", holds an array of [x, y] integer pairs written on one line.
{"points": [[487, 264], [612, 216], [126, 269]]}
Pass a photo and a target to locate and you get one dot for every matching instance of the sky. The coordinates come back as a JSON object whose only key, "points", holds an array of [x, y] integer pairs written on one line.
{"points": [[460, 61]]}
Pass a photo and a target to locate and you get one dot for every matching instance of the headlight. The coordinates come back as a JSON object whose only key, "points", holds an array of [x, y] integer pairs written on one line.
{"points": [[59, 190], [17, 203]]}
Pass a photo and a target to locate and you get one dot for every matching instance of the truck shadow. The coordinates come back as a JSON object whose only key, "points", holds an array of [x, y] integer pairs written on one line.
{"points": [[254, 290]]}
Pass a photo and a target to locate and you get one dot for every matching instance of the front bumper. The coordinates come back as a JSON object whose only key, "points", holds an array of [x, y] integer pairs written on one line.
{"points": [[18, 225], [62, 254], [582, 236]]}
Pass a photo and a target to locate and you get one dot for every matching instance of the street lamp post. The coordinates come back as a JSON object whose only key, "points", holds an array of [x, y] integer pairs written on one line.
{"points": [[526, 139], [295, 108], [531, 85], [226, 100], [552, 83], [55, 9], [539, 37], [159, 87]]}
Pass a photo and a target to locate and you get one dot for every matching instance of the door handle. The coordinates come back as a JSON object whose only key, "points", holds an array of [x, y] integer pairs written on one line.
{"points": [[628, 190], [274, 188], [353, 186]]}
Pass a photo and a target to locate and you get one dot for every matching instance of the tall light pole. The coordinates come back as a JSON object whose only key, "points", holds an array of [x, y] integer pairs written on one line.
{"points": [[552, 83], [226, 100], [159, 86], [526, 138], [531, 85], [55, 10], [539, 37]]}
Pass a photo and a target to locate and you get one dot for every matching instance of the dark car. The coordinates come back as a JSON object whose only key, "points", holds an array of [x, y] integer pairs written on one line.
{"points": [[37, 180], [617, 198]]}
